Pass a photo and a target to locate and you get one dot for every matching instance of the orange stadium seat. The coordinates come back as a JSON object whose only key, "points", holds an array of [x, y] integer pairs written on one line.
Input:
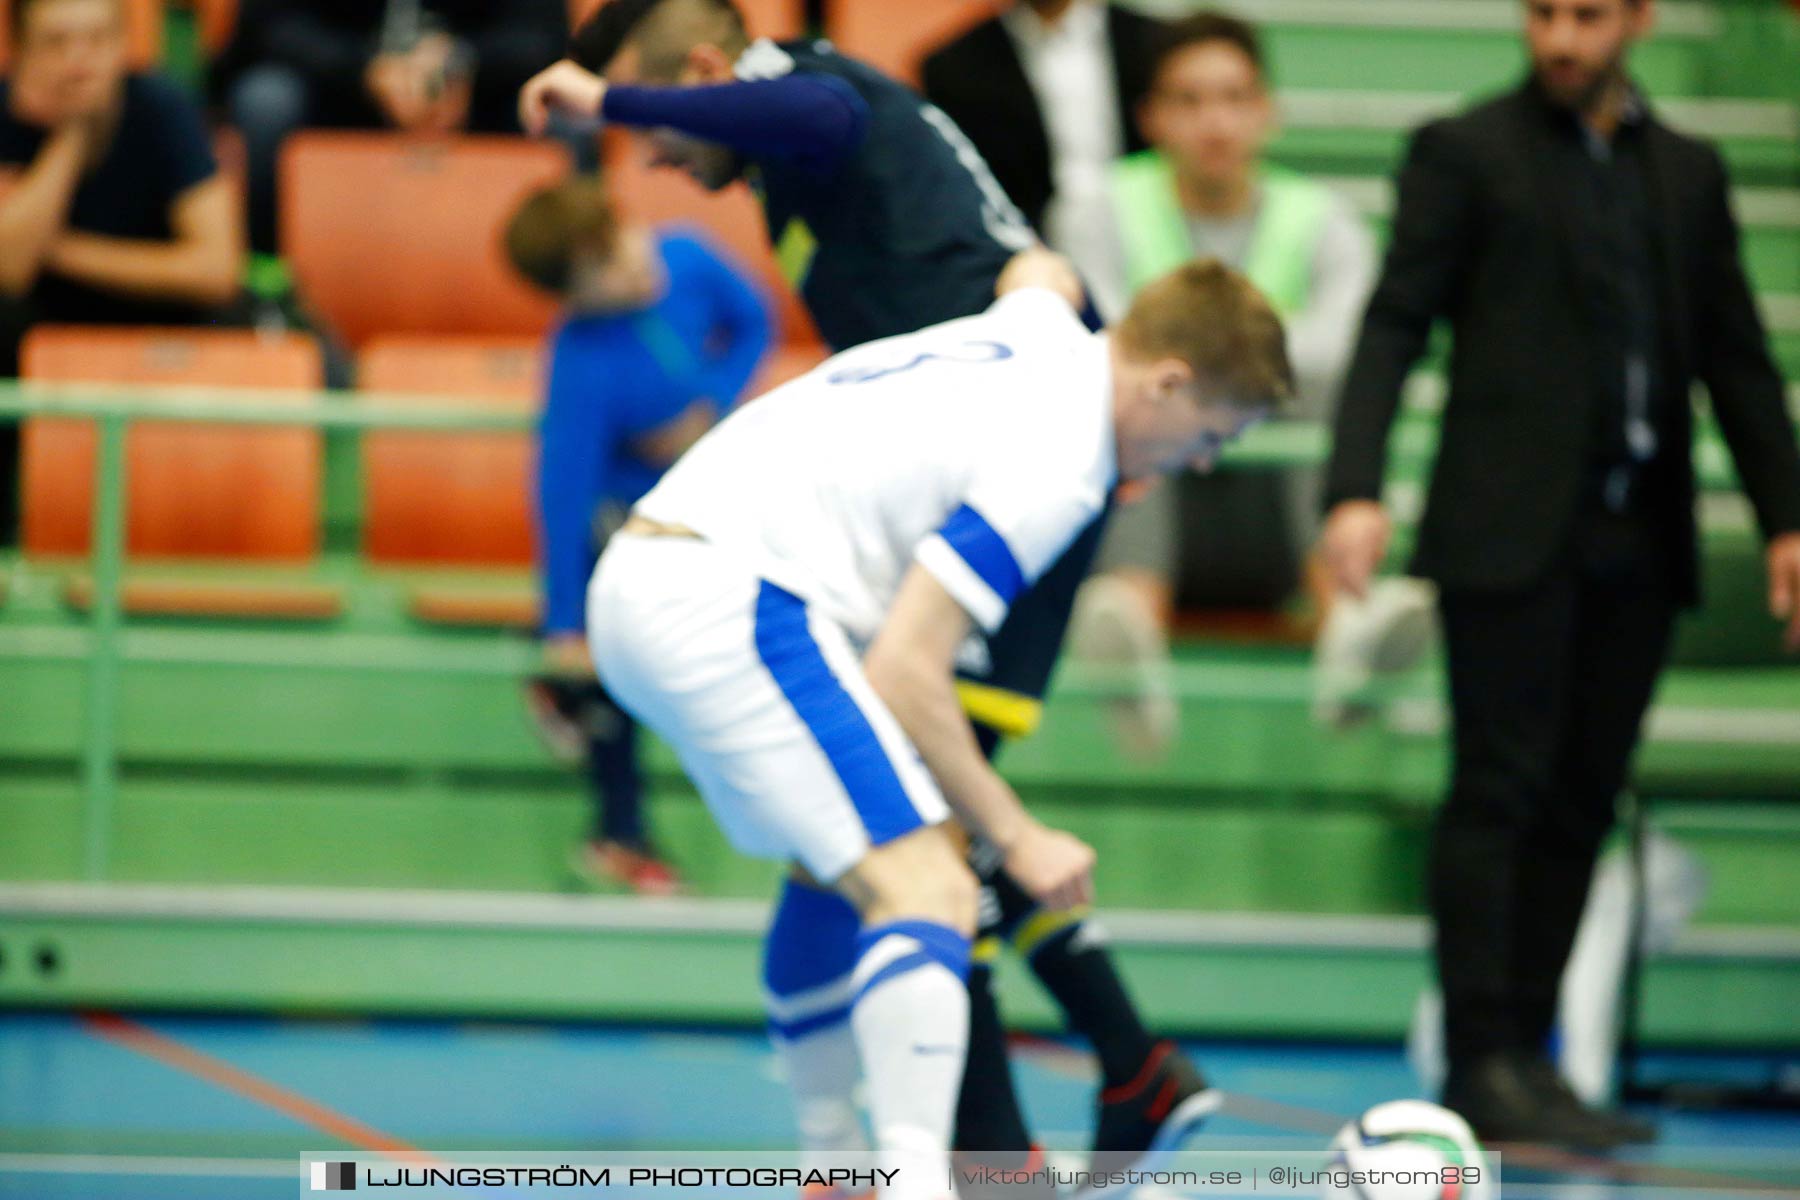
{"points": [[896, 37], [454, 499], [778, 19], [394, 234], [193, 491], [143, 33], [732, 219], [464, 499], [450, 498]]}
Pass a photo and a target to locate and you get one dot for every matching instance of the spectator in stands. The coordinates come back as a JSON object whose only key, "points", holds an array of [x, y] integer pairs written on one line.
{"points": [[661, 337], [1586, 258], [1047, 91], [116, 212], [1204, 188], [437, 66]]}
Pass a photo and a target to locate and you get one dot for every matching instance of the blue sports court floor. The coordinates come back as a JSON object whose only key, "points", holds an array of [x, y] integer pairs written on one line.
{"points": [[164, 1108]]}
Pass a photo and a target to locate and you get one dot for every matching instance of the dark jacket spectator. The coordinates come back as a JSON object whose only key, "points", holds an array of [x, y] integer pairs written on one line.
{"points": [[419, 65], [1586, 260], [1485, 238], [114, 211], [117, 219]]}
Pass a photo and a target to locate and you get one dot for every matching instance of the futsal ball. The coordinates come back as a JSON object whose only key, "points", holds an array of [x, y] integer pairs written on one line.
{"points": [[1408, 1150]]}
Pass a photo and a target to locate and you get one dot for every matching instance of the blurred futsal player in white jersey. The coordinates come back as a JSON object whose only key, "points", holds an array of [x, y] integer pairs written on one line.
{"points": [[788, 605]]}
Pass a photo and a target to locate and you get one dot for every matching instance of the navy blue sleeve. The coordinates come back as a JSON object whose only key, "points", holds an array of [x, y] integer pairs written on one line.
{"points": [[814, 120], [741, 325], [575, 444], [185, 145]]}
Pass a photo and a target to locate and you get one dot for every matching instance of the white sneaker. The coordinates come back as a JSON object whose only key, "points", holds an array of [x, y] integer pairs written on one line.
{"points": [[1113, 628], [1388, 631]]}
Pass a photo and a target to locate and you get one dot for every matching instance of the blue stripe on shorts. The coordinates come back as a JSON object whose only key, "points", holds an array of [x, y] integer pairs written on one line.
{"points": [[787, 649]]}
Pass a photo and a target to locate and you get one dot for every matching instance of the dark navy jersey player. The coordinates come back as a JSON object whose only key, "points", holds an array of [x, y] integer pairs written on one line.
{"points": [[894, 223], [886, 220], [884, 215]]}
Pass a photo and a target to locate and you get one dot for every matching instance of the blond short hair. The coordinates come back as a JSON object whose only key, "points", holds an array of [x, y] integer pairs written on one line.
{"points": [[556, 225], [1213, 319]]}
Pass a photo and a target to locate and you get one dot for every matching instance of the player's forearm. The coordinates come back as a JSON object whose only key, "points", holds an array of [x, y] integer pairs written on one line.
{"points": [[793, 117], [37, 210], [924, 701], [195, 272]]}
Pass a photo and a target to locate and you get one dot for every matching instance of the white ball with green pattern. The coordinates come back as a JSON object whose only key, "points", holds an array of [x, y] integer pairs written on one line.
{"points": [[1408, 1150]]}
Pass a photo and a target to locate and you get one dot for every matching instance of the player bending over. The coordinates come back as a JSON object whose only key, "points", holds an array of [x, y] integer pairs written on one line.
{"points": [[787, 606], [889, 221]]}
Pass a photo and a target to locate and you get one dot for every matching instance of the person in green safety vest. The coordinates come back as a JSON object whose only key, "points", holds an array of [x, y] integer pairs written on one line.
{"points": [[1204, 188]]}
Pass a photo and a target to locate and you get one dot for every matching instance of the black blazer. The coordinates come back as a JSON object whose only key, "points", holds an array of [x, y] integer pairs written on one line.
{"points": [[979, 80], [1481, 239]]}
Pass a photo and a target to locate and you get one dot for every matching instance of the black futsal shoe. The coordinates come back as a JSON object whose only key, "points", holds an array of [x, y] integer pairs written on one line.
{"points": [[1143, 1122]]}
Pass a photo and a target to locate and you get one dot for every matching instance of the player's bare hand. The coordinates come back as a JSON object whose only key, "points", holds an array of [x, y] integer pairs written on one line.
{"points": [[1354, 543], [1784, 586], [563, 87], [1043, 268], [1055, 868]]}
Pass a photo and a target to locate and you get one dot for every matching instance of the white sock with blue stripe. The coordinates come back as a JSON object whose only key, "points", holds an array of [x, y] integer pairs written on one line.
{"points": [[911, 1019], [807, 960]]}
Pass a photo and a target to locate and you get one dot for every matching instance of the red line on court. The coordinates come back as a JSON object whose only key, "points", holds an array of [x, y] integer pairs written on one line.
{"points": [[216, 1071]]}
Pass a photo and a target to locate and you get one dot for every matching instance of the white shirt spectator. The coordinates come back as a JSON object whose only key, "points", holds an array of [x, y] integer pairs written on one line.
{"points": [[1069, 63]]}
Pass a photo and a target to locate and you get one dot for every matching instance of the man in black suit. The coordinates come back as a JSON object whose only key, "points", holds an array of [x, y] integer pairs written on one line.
{"points": [[1042, 88], [1586, 258]]}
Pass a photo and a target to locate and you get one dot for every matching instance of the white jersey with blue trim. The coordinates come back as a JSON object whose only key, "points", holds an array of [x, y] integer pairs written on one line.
{"points": [[979, 448]]}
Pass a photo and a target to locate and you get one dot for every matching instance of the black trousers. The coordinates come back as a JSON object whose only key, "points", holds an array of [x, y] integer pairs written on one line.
{"points": [[1548, 688]]}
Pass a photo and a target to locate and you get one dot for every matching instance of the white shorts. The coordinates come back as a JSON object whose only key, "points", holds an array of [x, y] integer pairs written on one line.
{"points": [[764, 702]]}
